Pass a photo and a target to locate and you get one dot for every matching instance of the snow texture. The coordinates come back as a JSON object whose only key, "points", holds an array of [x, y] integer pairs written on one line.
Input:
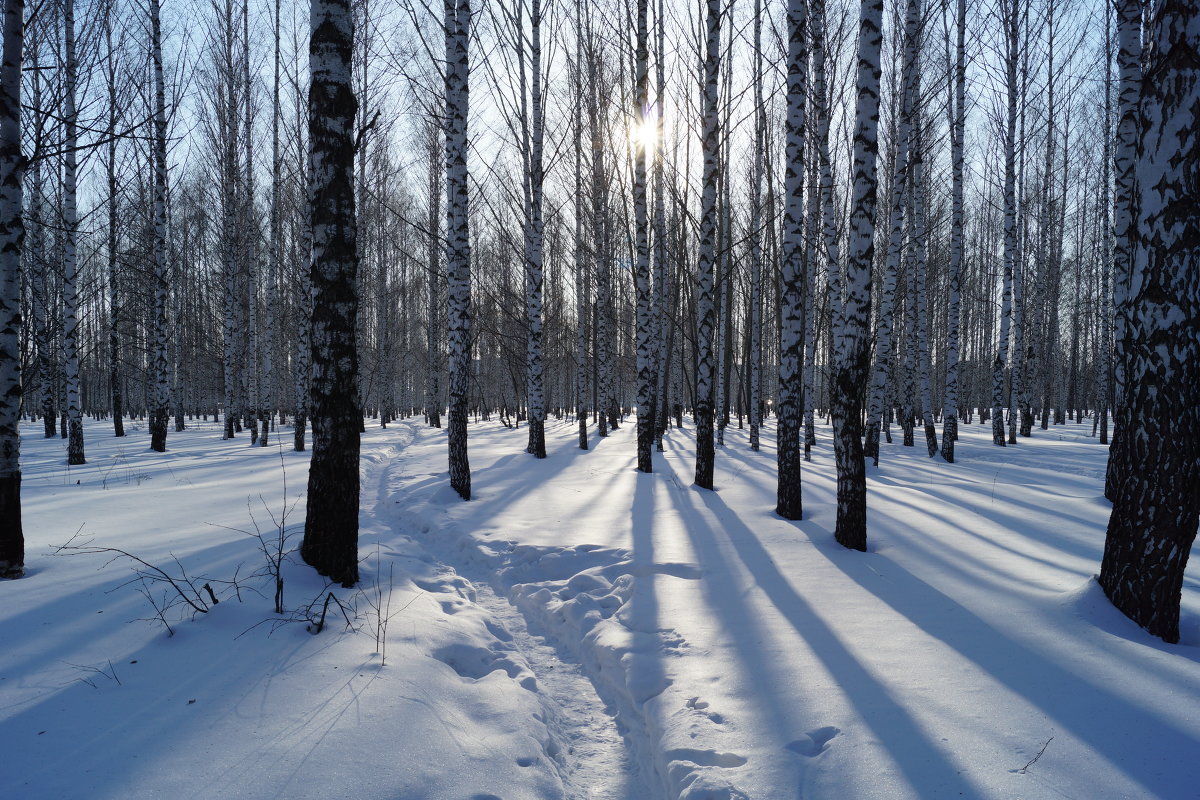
{"points": [[583, 630]]}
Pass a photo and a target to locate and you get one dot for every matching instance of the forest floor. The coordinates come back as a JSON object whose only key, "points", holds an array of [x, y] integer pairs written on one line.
{"points": [[581, 630]]}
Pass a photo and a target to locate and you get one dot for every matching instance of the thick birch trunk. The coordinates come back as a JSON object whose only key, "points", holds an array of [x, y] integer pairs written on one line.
{"points": [[331, 525], [1157, 505], [12, 232]]}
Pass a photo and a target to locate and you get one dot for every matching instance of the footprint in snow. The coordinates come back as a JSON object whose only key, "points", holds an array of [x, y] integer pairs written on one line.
{"points": [[701, 707], [814, 742]]}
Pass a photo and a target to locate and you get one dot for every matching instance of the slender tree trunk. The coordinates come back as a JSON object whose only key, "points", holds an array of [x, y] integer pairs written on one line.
{"points": [[646, 352], [755, 234], [162, 391], [458, 241], [852, 350], [535, 235], [901, 189], [433, 352], [920, 266], [275, 245], [70, 234], [706, 311], [582, 304], [1129, 66], [1012, 22], [114, 295], [791, 332], [958, 115]]}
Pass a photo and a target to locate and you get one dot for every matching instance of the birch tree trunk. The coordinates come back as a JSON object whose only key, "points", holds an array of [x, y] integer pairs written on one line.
{"points": [[788, 502], [162, 386], [901, 190], [12, 232], [958, 115], [110, 169], [1157, 506], [458, 240], [302, 376], [34, 257], [663, 321], [920, 267], [828, 247], [249, 240], [646, 352], [433, 277], [706, 313], [754, 236], [331, 525], [1129, 66], [70, 234], [582, 303], [851, 340], [535, 235], [275, 245], [1012, 20]]}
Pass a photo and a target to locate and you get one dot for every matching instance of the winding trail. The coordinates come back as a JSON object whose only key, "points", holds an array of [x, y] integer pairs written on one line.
{"points": [[590, 754]]}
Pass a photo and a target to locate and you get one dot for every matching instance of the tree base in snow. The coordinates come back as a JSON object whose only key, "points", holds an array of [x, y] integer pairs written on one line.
{"points": [[12, 539]]}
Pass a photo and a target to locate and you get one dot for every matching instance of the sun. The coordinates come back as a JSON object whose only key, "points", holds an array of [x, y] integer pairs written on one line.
{"points": [[643, 132]]}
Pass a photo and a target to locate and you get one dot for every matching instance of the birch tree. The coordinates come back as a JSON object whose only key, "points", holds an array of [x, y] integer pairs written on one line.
{"points": [[1011, 20], [331, 524], [957, 114], [901, 190], [457, 25], [110, 168], [1129, 67], [646, 353], [12, 232], [754, 235], [791, 333], [706, 314], [851, 346], [1157, 506], [70, 234], [162, 396], [534, 243]]}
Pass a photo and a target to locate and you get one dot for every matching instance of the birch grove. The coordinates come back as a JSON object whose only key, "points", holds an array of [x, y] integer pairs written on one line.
{"points": [[778, 227]]}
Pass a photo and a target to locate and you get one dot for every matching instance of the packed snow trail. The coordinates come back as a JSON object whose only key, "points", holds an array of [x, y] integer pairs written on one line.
{"points": [[587, 747]]}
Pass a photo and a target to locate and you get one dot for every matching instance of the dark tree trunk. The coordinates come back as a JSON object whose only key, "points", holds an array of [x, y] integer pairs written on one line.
{"points": [[12, 233], [1157, 494], [331, 526]]}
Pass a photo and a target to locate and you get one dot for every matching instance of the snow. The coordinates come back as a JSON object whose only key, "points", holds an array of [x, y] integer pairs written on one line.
{"points": [[583, 630]]}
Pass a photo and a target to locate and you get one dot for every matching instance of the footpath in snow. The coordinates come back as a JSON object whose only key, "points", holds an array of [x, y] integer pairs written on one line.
{"points": [[581, 630], [748, 656]]}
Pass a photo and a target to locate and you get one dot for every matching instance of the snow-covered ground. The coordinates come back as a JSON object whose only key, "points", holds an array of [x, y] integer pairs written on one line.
{"points": [[582, 630]]}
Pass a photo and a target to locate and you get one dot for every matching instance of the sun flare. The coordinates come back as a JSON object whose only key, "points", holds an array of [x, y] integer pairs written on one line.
{"points": [[644, 133]]}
